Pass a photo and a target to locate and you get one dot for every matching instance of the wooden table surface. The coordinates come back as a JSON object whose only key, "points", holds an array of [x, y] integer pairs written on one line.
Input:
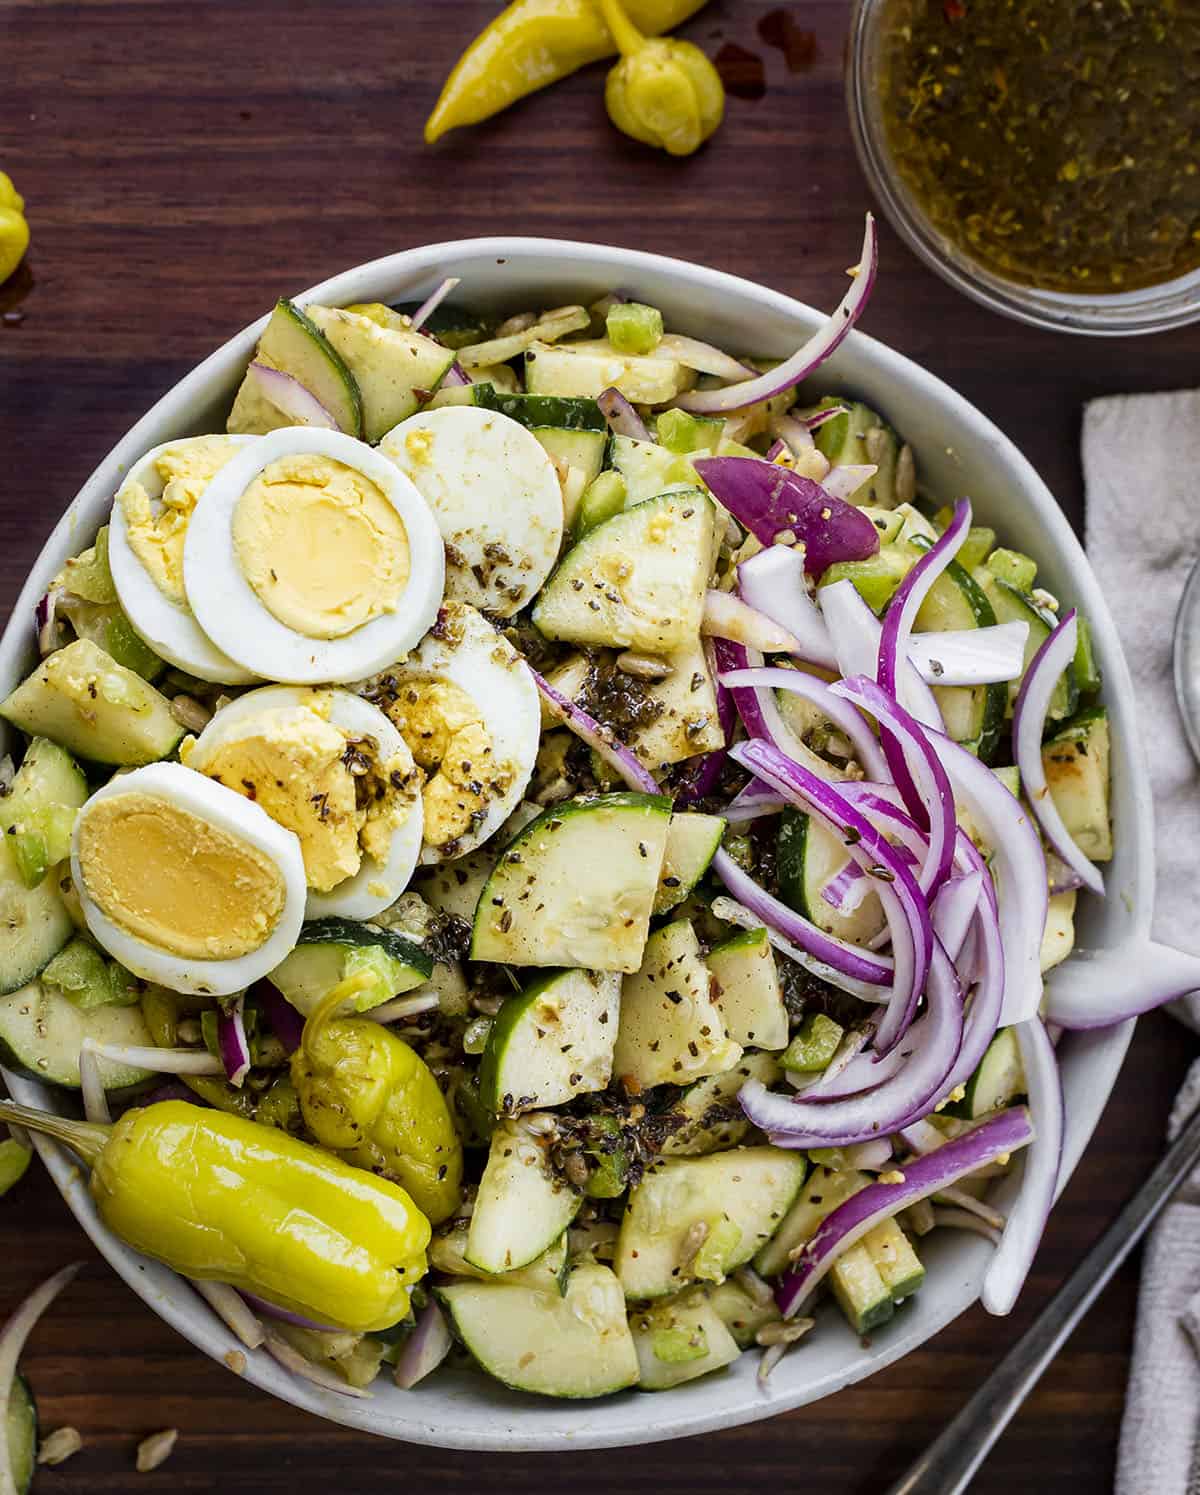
{"points": [[185, 164]]}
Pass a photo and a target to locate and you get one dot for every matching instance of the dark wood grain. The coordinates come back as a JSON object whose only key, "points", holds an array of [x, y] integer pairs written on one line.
{"points": [[187, 163]]}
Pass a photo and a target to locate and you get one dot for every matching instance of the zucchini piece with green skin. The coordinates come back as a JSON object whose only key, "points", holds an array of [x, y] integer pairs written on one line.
{"points": [[895, 1260], [582, 451], [1011, 606], [82, 973], [329, 950], [692, 841], [649, 469], [711, 1117], [41, 1031], [821, 1195], [574, 1346], [22, 1434], [40, 807], [584, 370], [680, 1340], [35, 923], [293, 342], [974, 714], [547, 1273], [809, 856], [739, 1197], [742, 1314], [813, 1045], [522, 1206], [637, 581], [536, 412], [1010, 566], [454, 887], [671, 1031], [751, 995], [551, 1042], [82, 699], [860, 1290], [534, 911], [997, 1082], [1076, 761]]}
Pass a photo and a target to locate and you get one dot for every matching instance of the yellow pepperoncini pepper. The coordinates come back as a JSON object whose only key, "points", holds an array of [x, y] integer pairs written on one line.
{"points": [[663, 91], [368, 1096], [221, 1198], [14, 231], [534, 43]]}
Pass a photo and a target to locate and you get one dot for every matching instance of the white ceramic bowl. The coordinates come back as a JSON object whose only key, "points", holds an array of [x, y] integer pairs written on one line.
{"points": [[959, 451]]}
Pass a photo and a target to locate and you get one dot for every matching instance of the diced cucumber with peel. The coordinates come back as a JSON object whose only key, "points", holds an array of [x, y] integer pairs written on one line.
{"points": [[38, 813], [330, 950], [895, 1259], [680, 1340], [523, 1204], [83, 975], [711, 1117], [809, 855], [750, 998], [998, 1081], [860, 1290], [740, 1196], [35, 923], [671, 1031], [583, 451], [544, 412], [293, 342], [575, 1345], [649, 470], [1013, 606], [589, 367], [682, 433], [21, 1434], [692, 841], [973, 714], [535, 911], [1010, 566], [1076, 761], [551, 1042], [603, 497], [41, 1032], [813, 1045], [633, 327], [547, 1273], [824, 1191]]}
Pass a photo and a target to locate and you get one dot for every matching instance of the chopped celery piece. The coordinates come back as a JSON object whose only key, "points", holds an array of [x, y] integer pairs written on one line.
{"points": [[14, 1159], [1014, 568], [602, 498], [634, 328], [1087, 668], [678, 1346], [813, 1045], [682, 433], [85, 978]]}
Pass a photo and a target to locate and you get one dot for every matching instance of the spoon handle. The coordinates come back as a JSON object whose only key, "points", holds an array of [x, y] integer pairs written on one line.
{"points": [[948, 1464]]}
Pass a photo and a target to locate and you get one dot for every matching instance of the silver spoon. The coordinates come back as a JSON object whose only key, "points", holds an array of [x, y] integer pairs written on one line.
{"points": [[952, 1459]]}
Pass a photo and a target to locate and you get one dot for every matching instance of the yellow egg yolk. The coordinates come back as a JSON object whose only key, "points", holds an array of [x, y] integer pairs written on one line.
{"points": [[176, 880], [321, 545], [330, 789], [448, 737], [157, 529]]}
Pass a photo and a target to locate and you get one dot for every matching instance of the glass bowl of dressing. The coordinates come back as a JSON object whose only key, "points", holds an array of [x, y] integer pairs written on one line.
{"points": [[1043, 156]]}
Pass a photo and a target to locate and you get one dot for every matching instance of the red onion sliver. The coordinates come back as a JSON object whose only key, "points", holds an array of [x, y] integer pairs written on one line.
{"points": [[622, 418], [432, 302], [952, 910], [855, 632], [455, 375], [285, 1315], [794, 436], [232, 1041], [846, 479], [734, 912], [291, 397], [810, 356], [753, 802], [818, 418], [299, 1365], [921, 1137], [1029, 725], [1005, 1132], [599, 738], [727, 616], [702, 357], [286, 1023], [91, 1086], [773, 582], [970, 656], [1097, 988], [961, 1219], [849, 721], [12, 1341], [1039, 1181], [425, 1349], [912, 592]]}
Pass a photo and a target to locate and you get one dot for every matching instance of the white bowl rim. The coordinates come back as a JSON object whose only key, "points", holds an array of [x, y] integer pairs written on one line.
{"points": [[473, 1413]]}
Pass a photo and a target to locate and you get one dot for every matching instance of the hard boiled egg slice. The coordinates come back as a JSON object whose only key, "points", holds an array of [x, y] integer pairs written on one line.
{"points": [[150, 520], [185, 882], [467, 707], [313, 558], [496, 496], [334, 770]]}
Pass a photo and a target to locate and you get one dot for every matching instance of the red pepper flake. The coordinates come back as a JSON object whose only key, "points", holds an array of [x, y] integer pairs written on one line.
{"points": [[954, 10]]}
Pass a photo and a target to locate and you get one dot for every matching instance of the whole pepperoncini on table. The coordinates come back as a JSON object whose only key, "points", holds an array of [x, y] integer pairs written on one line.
{"points": [[365, 1094], [221, 1198], [664, 92], [14, 230], [533, 43]]}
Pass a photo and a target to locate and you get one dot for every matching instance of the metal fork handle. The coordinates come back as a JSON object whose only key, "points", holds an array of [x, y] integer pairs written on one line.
{"points": [[951, 1460]]}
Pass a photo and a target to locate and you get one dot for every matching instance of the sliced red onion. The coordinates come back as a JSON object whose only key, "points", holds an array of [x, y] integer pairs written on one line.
{"points": [[912, 592], [1060, 876], [727, 616], [818, 1119], [932, 795], [1005, 1132], [622, 418], [231, 1309], [425, 1349], [776, 450], [846, 889], [961, 1219], [599, 738], [299, 1365], [847, 478], [770, 500], [970, 656], [871, 1155], [162, 1061], [702, 357], [854, 1041], [402, 1007], [848, 721], [793, 436], [171, 1090], [232, 1041], [836, 955], [773, 582], [818, 418], [285, 1315], [286, 1023], [1097, 988], [962, 1200], [921, 1137], [1039, 1180], [855, 632], [758, 708], [12, 1341], [431, 303], [290, 396], [733, 912], [953, 910], [753, 802], [1029, 726], [46, 621], [455, 375], [983, 1008], [91, 1086], [806, 358], [902, 900]]}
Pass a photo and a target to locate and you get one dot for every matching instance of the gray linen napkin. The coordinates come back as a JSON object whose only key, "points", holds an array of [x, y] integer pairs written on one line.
{"points": [[1141, 457]]}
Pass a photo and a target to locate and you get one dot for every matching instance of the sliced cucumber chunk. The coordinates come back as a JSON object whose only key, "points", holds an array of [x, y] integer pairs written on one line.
{"points": [[998, 1081], [974, 714], [35, 923], [738, 1197], [329, 950], [523, 1205], [1076, 761], [680, 1340], [649, 469], [38, 812], [895, 1259], [577, 1345], [821, 1195], [741, 1314], [692, 842], [751, 995], [1012, 606], [582, 451], [41, 1032], [711, 1117], [22, 1434], [814, 1044], [82, 973], [603, 497], [293, 342], [586, 369], [448, 1253], [552, 1042], [860, 1290], [809, 857], [671, 1031], [535, 911], [857, 437]]}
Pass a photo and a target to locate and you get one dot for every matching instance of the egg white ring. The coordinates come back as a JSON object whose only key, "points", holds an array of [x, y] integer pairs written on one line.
{"points": [[230, 611], [238, 816], [487, 667], [375, 886], [168, 627]]}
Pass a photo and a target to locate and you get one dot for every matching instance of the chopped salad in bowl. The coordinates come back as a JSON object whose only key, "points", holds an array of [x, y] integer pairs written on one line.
{"points": [[538, 845]]}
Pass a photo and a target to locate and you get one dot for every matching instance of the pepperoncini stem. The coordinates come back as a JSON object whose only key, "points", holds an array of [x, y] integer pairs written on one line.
{"points": [[626, 35], [663, 92], [87, 1138], [328, 1006]]}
